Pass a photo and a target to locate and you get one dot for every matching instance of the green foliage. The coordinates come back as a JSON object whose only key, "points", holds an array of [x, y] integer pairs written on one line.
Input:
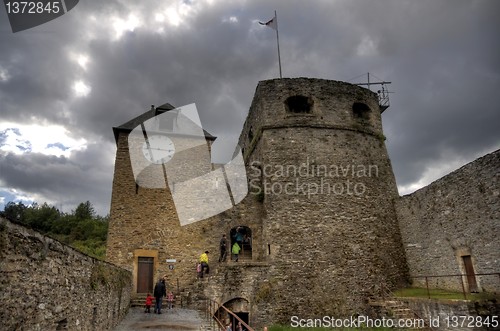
{"points": [[290, 328], [92, 247], [15, 211], [81, 229], [264, 292], [380, 137], [111, 278], [416, 292], [100, 276], [84, 211]]}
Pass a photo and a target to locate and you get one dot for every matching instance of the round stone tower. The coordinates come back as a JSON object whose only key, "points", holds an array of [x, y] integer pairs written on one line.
{"points": [[317, 162]]}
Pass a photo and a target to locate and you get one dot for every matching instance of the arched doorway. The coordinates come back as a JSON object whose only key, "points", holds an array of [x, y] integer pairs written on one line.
{"points": [[240, 308], [243, 235]]}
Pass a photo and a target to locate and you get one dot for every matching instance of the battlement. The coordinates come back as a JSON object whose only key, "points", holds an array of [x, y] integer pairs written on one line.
{"points": [[311, 102]]}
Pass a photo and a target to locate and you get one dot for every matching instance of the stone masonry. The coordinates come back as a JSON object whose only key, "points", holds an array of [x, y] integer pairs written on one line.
{"points": [[457, 215], [329, 228], [323, 213], [322, 247], [45, 285]]}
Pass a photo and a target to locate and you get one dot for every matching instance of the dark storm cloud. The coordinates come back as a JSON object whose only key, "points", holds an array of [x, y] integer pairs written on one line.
{"points": [[61, 181], [207, 63], [440, 55], [447, 78], [37, 81]]}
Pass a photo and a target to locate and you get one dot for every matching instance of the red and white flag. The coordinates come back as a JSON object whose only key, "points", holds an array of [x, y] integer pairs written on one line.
{"points": [[273, 23]]}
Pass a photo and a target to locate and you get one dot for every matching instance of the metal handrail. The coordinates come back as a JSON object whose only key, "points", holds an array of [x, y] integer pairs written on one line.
{"points": [[464, 292], [219, 322], [217, 306], [387, 293]]}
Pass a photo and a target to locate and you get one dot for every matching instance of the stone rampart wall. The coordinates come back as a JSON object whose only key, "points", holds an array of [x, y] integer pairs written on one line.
{"points": [[457, 215], [456, 315], [46, 285]]}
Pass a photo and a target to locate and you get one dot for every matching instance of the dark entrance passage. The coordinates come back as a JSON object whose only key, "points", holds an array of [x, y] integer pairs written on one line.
{"points": [[243, 236], [239, 307], [471, 275], [243, 316], [145, 274]]}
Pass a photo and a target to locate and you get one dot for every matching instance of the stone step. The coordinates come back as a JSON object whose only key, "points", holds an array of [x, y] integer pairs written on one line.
{"points": [[141, 302], [396, 309]]}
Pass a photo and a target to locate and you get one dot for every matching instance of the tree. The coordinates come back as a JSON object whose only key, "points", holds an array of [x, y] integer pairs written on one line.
{"points": [[15, 211], [82, 228], [84, 211], [42, 218]]}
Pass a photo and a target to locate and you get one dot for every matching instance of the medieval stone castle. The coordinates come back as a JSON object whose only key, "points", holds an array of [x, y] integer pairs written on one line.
{"points": [[328, 230]]}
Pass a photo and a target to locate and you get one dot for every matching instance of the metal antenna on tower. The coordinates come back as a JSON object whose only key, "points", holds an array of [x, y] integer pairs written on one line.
{"points": [[383, 93]]}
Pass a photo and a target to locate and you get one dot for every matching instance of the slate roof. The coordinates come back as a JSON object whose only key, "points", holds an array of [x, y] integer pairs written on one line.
{"points": [[133, 123]]}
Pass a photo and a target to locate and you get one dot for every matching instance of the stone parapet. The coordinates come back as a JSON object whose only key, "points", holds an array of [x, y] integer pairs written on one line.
{"points": [[46, 285]]}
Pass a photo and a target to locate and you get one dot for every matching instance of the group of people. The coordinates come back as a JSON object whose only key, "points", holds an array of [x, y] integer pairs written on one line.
{"points": [[240, 239], [239, 327], [159, 292], [160, 289], [235, 249]]}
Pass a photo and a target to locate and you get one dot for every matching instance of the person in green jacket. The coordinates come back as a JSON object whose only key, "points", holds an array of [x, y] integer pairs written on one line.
{"points": [[235, 250]]}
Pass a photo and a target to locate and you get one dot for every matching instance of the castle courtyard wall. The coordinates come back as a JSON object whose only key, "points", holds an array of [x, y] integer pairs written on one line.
{"points": [[455, 216], [46, 285]]}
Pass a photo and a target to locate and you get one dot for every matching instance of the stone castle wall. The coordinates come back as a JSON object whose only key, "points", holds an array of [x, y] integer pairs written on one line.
{"points": [[323, 212], [144, 223], [317, 254], [45, 285], [457, 215]]}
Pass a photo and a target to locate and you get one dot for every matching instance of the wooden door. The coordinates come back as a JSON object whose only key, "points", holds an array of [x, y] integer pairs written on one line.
{"points": [[145, 274], [471, 275]]}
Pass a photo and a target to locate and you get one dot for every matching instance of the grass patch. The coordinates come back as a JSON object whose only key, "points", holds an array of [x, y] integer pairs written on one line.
{"points": [[416, 292], [289, 328]]}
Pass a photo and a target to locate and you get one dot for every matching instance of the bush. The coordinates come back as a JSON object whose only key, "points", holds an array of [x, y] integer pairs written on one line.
{"points": [[81, 229]]}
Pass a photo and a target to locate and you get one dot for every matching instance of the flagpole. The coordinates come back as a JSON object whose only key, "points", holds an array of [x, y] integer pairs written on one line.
{"points": [[278, 41]]}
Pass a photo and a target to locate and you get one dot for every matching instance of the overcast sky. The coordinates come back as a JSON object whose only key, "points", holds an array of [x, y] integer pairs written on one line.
{"points": [[66, 83]]}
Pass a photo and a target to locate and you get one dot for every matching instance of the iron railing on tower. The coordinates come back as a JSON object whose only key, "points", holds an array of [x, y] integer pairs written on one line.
{"points": [[383, 93]]}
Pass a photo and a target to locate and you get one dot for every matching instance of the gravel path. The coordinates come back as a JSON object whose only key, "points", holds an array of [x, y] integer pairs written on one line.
{"points": [[177, 319]]}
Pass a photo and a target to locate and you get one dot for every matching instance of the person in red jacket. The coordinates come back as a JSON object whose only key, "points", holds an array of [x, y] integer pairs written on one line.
{"points": [[170, 300], [149, 303]]}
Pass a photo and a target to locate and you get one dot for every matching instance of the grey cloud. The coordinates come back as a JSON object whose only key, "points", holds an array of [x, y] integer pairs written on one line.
{"points": [[440, 55], [60, 180]]}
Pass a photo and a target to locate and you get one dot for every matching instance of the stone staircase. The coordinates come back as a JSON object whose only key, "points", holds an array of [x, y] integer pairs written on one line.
{"points": [[140, 299], [208, 325], [193, 295], [397, 310]]}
